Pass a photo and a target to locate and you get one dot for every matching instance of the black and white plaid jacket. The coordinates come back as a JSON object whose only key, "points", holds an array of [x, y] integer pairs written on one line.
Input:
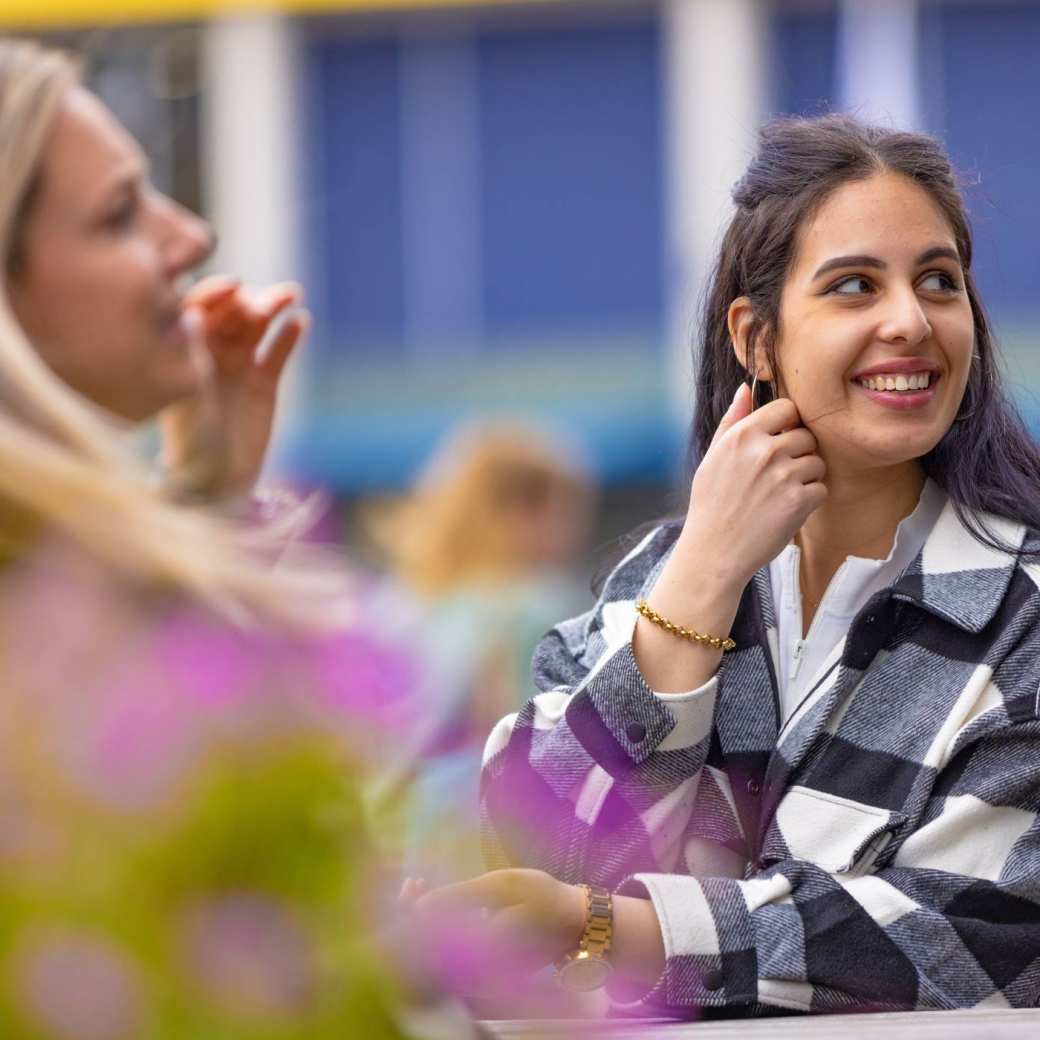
{"points": [[890, 828]]}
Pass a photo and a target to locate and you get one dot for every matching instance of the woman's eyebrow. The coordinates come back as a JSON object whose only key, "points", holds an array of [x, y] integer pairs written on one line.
{"points": [[935, 253], [939, 253], [849, 261]]}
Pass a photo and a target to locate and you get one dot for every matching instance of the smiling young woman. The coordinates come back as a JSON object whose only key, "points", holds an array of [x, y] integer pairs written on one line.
{"points": [[841, 811]]}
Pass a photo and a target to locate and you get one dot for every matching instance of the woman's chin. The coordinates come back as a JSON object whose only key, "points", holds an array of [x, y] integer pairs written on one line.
{"points": [[880, 452]]}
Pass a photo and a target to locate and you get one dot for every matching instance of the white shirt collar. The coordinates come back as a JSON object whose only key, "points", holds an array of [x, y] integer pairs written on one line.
{"points": [[851, 587]]}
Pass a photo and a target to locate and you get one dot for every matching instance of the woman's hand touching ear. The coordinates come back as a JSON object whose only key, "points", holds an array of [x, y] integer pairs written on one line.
{"points": [[755, 487]]}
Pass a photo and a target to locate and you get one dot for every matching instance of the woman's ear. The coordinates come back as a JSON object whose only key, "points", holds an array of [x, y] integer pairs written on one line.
{"points": [[741, 322]]}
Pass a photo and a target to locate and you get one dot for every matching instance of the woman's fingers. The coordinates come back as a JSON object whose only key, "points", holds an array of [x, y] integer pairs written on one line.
{"points": [[278, 297], [739, 409], [211, 290], [795, 443], [284, 343], [808, 469], [223, 314], [486, 890], [778, 416], [241, 316]]}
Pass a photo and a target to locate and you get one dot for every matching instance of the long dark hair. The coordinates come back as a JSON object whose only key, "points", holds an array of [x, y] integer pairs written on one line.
{"points": [[987, 462]]}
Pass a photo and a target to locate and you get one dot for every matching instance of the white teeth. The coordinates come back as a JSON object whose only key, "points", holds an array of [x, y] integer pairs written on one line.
{"points": [[897, 383]]}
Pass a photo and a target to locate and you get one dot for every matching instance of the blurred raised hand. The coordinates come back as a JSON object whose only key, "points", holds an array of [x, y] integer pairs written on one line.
{"points": [[215, 445]]}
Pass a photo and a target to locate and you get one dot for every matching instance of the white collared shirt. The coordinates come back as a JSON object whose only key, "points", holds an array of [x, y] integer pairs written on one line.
{"points": [[856, 580]]}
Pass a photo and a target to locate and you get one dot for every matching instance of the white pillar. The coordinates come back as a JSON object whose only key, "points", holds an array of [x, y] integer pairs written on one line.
{"points": [[715, 84], [878, 61], [250, 155], [250, 150]]}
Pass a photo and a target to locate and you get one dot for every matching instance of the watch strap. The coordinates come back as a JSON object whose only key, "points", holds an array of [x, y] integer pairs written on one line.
{"points": [[599, 920]]}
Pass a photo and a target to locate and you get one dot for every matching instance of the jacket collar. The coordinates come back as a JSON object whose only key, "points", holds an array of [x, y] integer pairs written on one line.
{"points": [[958, 578]]}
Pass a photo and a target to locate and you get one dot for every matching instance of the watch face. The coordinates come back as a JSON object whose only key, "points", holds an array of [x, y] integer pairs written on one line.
{"points": [[585, 973]]}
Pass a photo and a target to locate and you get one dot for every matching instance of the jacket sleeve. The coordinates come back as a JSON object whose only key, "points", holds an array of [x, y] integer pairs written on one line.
{"points": [[949, 917], [594, 778]]}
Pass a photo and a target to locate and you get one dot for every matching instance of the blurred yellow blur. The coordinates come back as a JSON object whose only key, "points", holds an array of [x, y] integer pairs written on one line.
{"points": [[65, 13]]}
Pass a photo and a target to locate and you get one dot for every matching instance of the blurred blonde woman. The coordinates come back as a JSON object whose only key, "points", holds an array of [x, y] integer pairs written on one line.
{"points": [[482, 552], [98, 332], [499, 501], [171, 712]]}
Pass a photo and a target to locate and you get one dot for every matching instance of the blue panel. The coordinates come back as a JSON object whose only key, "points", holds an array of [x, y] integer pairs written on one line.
{"points": [[990, 93], [353, 207], [571, 171], [388, 449], [804, 52]]}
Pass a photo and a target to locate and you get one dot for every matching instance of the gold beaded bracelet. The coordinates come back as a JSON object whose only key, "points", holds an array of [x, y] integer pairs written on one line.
{"points": [[715, 642]]}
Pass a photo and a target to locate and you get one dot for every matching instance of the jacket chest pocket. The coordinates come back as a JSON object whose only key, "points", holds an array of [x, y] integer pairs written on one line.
{"points": [[836, 834]]}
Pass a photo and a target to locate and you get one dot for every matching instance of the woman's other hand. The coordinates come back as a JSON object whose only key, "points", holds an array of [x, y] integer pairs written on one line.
{"points": [[526, 912], [217, 445], [495, 932]]}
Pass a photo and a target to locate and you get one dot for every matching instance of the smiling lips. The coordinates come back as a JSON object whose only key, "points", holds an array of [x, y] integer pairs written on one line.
{"points": [[901, 383], [898, 383]]}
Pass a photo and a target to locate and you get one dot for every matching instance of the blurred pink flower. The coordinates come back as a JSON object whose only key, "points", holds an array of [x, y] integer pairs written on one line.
{"points": [[74, 986], [218, 664], [249, 957], [365, 680], [138, 749]]}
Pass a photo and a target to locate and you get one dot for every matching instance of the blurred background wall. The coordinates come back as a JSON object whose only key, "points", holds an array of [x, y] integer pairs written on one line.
{"points": [[507, 208]]}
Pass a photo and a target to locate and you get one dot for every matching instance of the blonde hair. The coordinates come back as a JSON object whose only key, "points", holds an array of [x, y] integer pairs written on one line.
{"points": [[454, 529], [65, 465]]}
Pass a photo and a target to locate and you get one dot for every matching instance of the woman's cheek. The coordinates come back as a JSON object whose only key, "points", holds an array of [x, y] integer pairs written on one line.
{"points": [[817, 398]]}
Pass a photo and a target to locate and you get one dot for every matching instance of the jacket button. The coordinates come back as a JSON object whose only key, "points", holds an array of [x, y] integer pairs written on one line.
{"points": [[712, 981], [754, 788], [635, 731]]}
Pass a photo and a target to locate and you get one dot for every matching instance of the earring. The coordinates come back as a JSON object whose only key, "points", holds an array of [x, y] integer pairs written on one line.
{"points": [[754, 389]]}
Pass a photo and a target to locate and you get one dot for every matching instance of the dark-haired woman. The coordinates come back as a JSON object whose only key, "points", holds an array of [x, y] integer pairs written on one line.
{"points": [[796, 740]]}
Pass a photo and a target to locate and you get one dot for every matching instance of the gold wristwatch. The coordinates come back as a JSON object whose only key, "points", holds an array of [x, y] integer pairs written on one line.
{"points": [[587, 967]]}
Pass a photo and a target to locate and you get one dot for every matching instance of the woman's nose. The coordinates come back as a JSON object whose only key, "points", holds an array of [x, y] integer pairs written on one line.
{"points": [[904, 320], [188, 239]]}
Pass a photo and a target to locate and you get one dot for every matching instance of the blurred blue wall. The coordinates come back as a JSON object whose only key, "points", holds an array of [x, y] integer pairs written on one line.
{"points": [[486, 218]]}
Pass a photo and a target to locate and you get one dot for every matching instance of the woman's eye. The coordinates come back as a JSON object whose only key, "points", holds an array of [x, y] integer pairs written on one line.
{"points": [[940, 282], [124, 215], [854, 285]]}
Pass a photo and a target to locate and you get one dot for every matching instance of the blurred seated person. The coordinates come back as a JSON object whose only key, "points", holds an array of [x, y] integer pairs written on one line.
{"points": [[481, 553]]}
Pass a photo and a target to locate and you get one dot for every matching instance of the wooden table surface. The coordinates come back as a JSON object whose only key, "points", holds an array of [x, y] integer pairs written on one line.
{"points": [[918, 1025]]}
